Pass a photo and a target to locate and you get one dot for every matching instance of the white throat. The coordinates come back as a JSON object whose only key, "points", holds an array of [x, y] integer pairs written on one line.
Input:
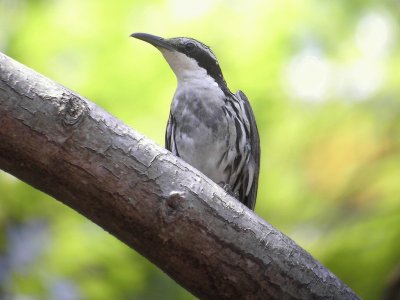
{"points": [[186, 69]]}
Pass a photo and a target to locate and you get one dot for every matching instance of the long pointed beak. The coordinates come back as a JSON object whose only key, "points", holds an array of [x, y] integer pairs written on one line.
{"points": [[156, 41]]}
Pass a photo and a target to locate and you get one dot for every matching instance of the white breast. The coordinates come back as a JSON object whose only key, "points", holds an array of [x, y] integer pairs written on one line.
{"points": [[202, 133]]}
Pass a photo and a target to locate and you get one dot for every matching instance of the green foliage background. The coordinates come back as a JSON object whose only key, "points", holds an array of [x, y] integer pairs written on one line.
{"points": [[323, 78]]}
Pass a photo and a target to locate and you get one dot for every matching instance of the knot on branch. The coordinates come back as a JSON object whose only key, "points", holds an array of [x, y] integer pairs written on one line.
{"points": [[175, 199], [72, 110], [169, 211]]}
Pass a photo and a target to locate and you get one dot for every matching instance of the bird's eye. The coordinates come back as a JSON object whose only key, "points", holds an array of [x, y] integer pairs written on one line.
{"points": [[189, 46]]}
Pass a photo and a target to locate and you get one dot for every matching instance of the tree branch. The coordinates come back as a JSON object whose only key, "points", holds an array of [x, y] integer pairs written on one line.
{"points": [[69, 148]]}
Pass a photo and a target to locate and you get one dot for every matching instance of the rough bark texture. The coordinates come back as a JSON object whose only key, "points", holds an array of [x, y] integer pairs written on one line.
{"points": [[211, 244]]}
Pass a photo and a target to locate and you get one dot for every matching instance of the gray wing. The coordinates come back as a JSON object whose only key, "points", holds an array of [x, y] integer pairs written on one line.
{"points": [[253, 166], [170, 135]]}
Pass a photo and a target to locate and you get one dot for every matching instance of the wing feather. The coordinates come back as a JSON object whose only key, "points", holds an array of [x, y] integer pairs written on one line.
{"points": [[253, 166]]}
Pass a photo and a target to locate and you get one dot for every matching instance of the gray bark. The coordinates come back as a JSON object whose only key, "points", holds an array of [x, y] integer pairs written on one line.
{"points": [[69, 148]]}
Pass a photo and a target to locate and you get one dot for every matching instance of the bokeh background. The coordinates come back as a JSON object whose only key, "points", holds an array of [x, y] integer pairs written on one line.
{"points": [[323, 78]]}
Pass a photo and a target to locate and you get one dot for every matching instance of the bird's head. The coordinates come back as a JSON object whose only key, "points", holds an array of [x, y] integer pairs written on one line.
{"points": [[187, 57]]}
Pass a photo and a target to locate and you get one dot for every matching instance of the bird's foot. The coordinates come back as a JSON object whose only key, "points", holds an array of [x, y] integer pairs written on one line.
{"points": [[228, 188]]}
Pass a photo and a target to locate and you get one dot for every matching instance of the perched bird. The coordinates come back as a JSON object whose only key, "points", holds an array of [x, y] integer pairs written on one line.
{"points": [[209, 127]]}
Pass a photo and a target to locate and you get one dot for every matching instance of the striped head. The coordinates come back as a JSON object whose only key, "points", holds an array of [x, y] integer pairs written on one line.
{"points": [[187, 57]]}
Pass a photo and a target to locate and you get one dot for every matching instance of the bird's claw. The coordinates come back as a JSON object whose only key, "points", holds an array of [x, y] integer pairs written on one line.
{"points": [[228, 188]]}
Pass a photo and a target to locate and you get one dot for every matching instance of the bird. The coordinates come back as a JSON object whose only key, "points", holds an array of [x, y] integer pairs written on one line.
{"points": [[209, 127]]}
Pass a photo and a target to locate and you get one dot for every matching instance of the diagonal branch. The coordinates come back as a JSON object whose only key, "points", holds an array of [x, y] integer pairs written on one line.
{"points": [[211, 244]]}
